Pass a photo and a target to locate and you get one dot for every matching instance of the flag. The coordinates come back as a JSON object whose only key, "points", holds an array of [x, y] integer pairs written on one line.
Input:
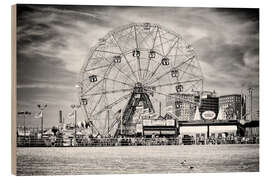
{"points": [[221, 115], [82, 124], [117, 115], [197, 114], [39, 115]]}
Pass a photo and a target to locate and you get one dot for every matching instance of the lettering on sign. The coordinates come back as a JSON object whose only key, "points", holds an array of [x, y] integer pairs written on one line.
{"points": [[208, 115]]}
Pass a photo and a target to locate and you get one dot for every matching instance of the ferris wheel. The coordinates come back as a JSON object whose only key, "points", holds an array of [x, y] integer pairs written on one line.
{"points": [[145, 61]]}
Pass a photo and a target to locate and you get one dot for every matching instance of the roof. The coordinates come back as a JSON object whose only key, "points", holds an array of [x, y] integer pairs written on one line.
{"points": [[229, 95], [207, 122]]}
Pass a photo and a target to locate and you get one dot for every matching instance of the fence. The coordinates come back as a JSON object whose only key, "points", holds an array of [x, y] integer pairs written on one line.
{"points": [[85, 141]]}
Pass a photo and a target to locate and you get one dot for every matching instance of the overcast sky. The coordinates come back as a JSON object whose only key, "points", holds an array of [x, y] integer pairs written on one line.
{"points": [[53, 42]]}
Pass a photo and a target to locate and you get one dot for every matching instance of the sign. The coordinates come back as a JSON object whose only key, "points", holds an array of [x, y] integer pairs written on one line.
{"points": [[168, 132], [208, 115], [151, 132], [222, 129], [158, 123], [147, 122], [191, 130], [170, 122]]}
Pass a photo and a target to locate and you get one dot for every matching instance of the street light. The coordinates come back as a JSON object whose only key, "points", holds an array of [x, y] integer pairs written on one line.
{"points": [[75, 107], [24, 113], [41, 108]]}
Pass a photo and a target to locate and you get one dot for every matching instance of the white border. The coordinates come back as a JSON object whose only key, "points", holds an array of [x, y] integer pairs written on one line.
{"points": [[264, 83]]}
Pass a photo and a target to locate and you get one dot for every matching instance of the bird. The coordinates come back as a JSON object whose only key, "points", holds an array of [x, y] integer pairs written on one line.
{"points": [[191, 167], [183, 162]]}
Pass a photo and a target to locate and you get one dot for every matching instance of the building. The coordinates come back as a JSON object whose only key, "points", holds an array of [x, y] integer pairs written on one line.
{"points": [[207, 128], [184, 107], [161, 126], [231, 105], [210, 103]]}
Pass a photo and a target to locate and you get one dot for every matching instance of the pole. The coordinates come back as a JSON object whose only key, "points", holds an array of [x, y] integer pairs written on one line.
{"points": [[121, 125], [41, 123], [42, 107], [108, 126], [251, 105], [75, 116], [241, 110], [24, 124], [159, 108]]}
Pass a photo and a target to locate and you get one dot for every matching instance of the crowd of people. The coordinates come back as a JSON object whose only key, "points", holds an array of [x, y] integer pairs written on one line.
{"points": [[135, 141]]}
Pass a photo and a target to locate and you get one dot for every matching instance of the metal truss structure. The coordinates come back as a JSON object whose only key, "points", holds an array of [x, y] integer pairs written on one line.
{"points": [[137, 62]]}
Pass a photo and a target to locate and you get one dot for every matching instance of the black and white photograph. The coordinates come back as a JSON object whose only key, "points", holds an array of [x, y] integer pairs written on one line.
{"points": [[135, 89]]}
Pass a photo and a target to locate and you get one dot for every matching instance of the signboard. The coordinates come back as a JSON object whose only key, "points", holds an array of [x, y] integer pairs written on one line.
{"points": [[222, 129], [158, 123], [147, 122], [208, 115], [170, 122], [191, 130], [151, 132], [168, 132]]}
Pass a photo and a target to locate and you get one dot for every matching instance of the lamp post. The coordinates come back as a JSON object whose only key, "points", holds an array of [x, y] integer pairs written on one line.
{"points": [[41, 108], [24, 113], [75, 107]]}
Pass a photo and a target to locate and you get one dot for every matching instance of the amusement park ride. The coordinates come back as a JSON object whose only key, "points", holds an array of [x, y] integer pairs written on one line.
{"points": [[136, 64]]}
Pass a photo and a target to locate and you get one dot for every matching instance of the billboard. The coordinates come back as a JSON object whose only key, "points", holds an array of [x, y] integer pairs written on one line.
{"points": [[208, 115]]}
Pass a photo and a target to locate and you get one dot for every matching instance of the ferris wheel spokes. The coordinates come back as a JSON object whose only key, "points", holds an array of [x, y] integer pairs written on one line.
{"points": [[165, 56], [120, 70], [113, 103], [123, 54], [111, 92], [175, 83], [169, 71], [149, 58]]}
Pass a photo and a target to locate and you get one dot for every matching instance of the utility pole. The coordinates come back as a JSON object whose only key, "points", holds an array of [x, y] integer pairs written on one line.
{"points": [[42, 107]]}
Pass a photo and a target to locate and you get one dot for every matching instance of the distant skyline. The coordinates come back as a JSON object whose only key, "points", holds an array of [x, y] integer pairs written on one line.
{"points": [[53, 42]]}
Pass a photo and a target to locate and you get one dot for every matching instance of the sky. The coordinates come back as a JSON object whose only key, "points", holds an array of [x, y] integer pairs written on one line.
{"points": [[54, 41]]}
